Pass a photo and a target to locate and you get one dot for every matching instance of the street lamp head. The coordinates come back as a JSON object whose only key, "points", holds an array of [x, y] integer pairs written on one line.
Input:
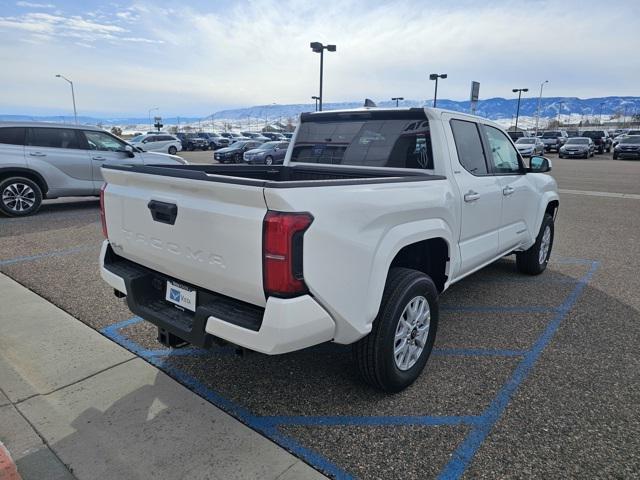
{"points": [[58, 75], [515, 90], [525, 89], [331, 48], [316, 46], [433, 76], [444, 75]]}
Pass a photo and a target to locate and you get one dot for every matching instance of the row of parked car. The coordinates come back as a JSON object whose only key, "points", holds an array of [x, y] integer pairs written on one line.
{"points": [[573, 143], [168, 143]]}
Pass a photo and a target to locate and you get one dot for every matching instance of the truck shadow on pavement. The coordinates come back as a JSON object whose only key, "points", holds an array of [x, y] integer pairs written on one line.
{"points": [[494, 328]]}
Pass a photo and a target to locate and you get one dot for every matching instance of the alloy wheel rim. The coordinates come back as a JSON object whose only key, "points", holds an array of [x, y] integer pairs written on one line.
{"points": [[18, 197], [544, 245], [411, 333]]}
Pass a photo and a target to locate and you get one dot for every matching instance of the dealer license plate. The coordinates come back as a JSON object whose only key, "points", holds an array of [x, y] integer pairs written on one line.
{"points": [[180, 295]]}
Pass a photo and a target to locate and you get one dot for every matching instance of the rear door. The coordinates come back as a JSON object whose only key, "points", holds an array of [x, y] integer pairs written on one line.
{"points": [[519, 199], [214, 240], [480, 197], [59, 152]]}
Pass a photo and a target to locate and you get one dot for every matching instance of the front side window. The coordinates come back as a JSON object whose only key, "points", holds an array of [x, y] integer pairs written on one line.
{"points": [[369, 142], [103, 142], [469, 146], [505, 156], [53, 138], [12, 135]]}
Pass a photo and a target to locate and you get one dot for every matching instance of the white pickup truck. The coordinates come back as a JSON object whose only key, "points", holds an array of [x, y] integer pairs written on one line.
{"points": [[373, 214]]}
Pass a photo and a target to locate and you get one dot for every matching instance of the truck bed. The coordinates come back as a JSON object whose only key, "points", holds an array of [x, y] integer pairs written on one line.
{"points": [[279, 176]]}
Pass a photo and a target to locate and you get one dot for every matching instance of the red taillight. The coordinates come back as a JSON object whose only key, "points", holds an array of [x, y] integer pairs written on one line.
{"points": [[282, 242], [103, 219]]}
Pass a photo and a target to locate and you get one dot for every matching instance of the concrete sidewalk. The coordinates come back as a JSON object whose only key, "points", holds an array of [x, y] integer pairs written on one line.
{"points": [[73, 404]]}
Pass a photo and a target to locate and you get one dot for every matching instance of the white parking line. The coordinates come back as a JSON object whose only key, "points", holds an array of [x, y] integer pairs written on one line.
{"points": [[601, 194]]}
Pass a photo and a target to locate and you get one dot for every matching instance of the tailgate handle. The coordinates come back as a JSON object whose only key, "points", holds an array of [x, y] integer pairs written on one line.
{"points": [[163, 212]]}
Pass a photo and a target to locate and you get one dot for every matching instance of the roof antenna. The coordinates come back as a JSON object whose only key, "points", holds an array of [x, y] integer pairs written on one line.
{"points": [[369, 103]]}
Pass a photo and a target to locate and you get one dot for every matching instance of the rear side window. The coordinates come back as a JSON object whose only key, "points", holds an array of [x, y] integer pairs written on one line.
{"points": [[53, 138], [469, 146], [377, 142], [12, 135]]}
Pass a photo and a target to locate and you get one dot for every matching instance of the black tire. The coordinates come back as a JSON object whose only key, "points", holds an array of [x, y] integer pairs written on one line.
{"points": [[172, 150], [600, 149], [560, 155], [529, 261], [29, 193], [374, 354], [615, 156], [237, 158], [190, 147], [268, 160], [586, 154]]}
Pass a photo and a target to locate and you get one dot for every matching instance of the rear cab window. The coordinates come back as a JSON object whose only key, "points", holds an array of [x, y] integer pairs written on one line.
{"points": [[365, 139], [54, 138]]}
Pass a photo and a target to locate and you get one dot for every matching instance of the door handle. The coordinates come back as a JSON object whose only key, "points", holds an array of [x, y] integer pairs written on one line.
{"points": [[506, 191], [100, 159], [37, 154], [471, 196]]}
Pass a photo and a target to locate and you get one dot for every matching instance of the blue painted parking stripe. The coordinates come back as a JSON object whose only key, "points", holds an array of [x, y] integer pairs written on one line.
{"points": [[58, 253], [478, 352], [467, 449]]}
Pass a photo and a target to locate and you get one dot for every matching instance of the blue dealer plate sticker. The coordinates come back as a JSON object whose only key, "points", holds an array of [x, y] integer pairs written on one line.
{"points": [[182, 296]]}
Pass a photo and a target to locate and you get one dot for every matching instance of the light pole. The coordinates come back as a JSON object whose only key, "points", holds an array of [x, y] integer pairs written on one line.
{"points": [[600, 119], [559, 110], [436, 76], [73, 97], [317, 47], [397, 99], [151, 110], [316, 99], [519, 91], [538, 109]]}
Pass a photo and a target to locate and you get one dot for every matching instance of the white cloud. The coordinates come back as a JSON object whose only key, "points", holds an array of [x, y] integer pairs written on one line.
{"points": [[35, 5]]}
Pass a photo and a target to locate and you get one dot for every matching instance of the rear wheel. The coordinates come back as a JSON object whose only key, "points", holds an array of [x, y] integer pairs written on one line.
{"points": [[19, 197], [615, 155], [534, 261], [396, 351], [172, 150]]}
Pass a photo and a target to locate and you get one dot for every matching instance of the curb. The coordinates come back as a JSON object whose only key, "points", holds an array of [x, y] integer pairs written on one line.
{"points": [[8, 470]]}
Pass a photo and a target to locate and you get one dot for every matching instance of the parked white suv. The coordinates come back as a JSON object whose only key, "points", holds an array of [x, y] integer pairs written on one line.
{"points": [[373, 214], [157, 142], [47, 160]]}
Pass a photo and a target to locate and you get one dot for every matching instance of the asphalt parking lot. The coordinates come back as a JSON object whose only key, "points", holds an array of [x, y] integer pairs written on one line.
{"points": [[531, 377]]}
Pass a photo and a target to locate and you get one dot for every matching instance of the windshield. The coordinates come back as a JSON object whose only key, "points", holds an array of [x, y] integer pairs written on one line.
{"points": [[240, 144], [526, 140], [267, 146], [578, 141], [550, 134], [137, 139], [372, 139], [631, 139]]}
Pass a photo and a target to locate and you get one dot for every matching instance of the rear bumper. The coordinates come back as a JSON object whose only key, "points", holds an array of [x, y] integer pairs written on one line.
{"points": [[284, 325]]}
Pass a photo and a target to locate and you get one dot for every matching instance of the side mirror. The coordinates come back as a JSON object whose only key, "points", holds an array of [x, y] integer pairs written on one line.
{"points": [[539, 164], [129, 150]]}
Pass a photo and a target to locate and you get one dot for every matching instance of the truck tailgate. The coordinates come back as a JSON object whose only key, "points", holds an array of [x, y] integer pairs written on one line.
{"points": [[214, 241]]}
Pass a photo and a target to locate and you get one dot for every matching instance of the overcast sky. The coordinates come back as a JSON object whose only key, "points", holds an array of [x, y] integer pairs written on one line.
{"points": [[203, 56]]}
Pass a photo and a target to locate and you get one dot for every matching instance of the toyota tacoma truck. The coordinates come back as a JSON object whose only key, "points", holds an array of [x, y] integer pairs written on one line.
{"points": [[373, 214]]}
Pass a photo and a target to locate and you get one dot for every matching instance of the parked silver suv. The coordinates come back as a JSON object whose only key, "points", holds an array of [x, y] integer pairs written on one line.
{"points": [[47, 160]]}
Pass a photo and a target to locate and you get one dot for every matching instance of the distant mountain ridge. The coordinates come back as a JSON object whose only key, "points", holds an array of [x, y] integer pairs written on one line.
{"points": [[492, 108]]}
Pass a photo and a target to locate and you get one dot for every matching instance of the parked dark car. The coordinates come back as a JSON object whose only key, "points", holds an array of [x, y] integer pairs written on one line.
{"points": [[554, 139], [215, 141], [191, 141], [628, 147], [600, 138], [268, 153], [573, 133], [275, 136], [529, 146], [288, 135], [577, 147], [233, 153]]}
